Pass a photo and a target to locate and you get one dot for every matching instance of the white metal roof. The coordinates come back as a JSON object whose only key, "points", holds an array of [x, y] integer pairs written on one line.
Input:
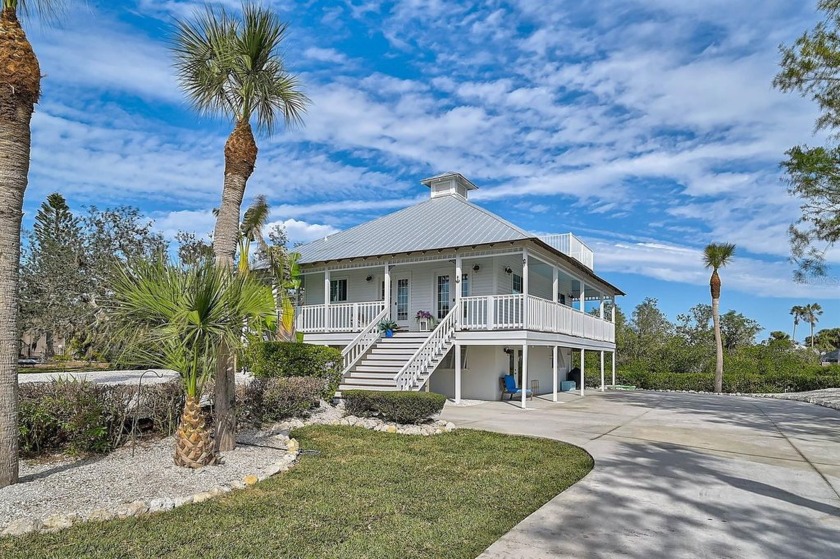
{"points": [[443, 222]]}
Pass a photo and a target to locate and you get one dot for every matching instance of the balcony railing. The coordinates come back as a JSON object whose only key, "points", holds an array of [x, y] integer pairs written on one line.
{"points": [[492, 312], [572, 246], [342, 317], [516, 312]]}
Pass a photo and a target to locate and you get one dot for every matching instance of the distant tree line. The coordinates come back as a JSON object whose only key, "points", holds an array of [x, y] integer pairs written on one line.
{"points": [[67, 265]]}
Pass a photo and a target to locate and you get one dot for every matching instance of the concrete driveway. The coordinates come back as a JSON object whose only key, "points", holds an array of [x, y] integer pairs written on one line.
{"points": [[680, 475]]}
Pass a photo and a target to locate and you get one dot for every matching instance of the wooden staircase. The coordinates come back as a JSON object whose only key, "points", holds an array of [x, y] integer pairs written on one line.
{"points": [[378, 367]]}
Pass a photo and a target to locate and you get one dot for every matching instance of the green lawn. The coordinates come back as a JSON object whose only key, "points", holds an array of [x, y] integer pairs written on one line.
{"points": [[367, 494]]}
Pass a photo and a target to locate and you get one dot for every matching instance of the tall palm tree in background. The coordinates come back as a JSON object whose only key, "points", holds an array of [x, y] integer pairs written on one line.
{"points": [[810, 314], [716, 256], [232, 67], [20, 88], [796, 311], [177, 318]]}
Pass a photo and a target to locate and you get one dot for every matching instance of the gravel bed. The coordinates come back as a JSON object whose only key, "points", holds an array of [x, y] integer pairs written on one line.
{"points": [[828, 397], [81, 486], [64, 485]]}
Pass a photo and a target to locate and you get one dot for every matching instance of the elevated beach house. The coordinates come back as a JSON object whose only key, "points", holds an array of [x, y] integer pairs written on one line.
{"points": [[475, 298]]}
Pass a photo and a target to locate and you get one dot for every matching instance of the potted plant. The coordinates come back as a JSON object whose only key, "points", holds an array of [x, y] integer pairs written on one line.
{"points": [[388, 327], [425, 320]]}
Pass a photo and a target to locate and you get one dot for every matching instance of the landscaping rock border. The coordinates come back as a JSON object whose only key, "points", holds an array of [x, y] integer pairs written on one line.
{"points": [[278, 433]]}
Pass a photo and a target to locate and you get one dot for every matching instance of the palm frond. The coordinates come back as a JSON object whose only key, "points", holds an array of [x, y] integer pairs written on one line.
{"points": [[718, 255], [234, 68]]}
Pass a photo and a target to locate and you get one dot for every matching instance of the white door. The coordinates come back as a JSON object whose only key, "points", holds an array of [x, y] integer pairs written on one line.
{"points": [[401, 297], [444, 296]]}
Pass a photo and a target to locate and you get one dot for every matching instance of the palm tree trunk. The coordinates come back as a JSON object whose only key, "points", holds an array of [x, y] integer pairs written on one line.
{"points": [[193, 447], [794, 333], [240, 158], [718, 346], [20, 83]]}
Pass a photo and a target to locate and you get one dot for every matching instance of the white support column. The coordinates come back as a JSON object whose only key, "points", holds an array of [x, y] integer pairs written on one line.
{"points": [[326, 300], [555, 283], [582, 297], [554, 362], [525, 321], [387, 292], [582, 364], [601, 307], [457, 349], [612, 308], [613, 368], [458, 287], [602, 370], [524, 388]]}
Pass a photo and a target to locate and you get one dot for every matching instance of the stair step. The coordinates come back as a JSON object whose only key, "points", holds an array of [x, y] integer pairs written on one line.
{"points": [[382, 362], [377, 368], [385, 381], [371, 375], [398, 345], [393, 351], [345, 387], [404, 335]]}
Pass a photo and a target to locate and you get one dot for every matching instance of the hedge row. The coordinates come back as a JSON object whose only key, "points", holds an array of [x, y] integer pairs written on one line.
{"points": [[292, 359], [81, 417], [265, 400], [801, 380], [401, 407]]}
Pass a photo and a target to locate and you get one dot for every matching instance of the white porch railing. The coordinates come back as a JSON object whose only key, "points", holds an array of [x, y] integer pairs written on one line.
{"points": [[342, 317], [362, 342], [427, 355], [512, 312]]}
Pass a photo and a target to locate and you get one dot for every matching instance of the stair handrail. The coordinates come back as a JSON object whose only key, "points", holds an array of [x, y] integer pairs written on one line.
{"points": [[362, 342], [426, 353]]}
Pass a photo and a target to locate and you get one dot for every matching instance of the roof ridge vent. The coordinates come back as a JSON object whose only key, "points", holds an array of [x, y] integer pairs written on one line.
{"points": [[449, 184]]}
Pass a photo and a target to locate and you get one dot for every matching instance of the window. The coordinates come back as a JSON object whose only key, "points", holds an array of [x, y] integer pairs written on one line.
{"points": [[338, 290], [517, 283], [465, 285]]}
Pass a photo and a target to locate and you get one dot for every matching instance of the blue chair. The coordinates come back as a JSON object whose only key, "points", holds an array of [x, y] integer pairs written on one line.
{"points": [[509, 387]]}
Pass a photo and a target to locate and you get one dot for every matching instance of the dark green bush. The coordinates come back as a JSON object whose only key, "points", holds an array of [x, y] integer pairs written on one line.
{"points": [[401, 407], [291, 359], [82, 417], [266, 400], [750, 380]]}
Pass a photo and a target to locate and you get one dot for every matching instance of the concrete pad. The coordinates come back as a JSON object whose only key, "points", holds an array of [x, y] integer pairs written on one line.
{"points": [[681, 475]]}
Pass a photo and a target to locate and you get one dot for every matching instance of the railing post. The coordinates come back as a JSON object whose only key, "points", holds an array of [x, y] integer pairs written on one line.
{"points": [[387, 294], [326, 300], [355, 320], [458, 288], [525, 289], [491, 313]]}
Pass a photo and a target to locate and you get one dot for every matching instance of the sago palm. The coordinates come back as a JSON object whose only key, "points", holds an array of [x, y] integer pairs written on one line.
{"points": [[716, 256], [20, 88], [232, 67], [177, 318]]}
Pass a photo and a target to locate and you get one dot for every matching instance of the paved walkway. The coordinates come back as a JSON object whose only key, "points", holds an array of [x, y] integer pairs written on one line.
{"points": [[680, 475]]}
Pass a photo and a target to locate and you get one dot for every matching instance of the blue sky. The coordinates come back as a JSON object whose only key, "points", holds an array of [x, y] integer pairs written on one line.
{"points": [[647, 127]]}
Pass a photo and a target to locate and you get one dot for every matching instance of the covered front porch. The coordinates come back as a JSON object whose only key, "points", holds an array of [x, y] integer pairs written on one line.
{"points": [[502, 291]]}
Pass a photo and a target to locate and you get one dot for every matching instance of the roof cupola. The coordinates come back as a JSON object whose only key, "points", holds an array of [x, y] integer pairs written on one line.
{"points": [[449, 184]]}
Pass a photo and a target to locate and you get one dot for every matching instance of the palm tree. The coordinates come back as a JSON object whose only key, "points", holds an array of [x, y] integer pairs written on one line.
{"points": [[796, 311], [810, 314], [716, 256], [283, 266], [177, 318], [20, 88], [233, 68]]}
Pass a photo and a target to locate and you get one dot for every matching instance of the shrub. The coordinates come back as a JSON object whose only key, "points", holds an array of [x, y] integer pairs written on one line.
{"points": [[401, 407], [82, 417], [746, 380], [266, 400], [291, 359]]}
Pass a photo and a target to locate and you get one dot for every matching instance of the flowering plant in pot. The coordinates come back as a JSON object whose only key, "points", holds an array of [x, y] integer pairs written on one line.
{"points": [[388, 327], [425, 316]]}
